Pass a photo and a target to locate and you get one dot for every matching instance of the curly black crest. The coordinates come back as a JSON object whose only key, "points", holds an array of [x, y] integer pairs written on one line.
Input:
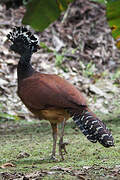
{"points": [[22, 39]]}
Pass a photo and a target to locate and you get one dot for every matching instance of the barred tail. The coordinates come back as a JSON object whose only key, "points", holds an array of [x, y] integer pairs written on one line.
{"points": [[93, 128]]}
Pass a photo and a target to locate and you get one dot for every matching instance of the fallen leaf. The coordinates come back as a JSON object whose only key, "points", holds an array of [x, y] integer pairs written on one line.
{"points": [[22, 155], [86, 167], [58, 168], [7, 165]]}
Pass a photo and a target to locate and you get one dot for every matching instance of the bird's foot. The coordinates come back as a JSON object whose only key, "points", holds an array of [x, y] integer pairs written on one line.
{"points": [[53, 158], [62, 149]]}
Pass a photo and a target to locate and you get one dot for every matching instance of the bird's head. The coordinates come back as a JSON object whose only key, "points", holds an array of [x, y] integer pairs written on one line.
{"points": [[23, 40]]}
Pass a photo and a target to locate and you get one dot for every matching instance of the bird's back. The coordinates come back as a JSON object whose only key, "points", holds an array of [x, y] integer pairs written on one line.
{"points": [[47, 90], [50, 96]]}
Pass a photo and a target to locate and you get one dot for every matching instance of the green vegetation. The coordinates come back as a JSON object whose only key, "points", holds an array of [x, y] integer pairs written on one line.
{"points": [[100, 1], [89, 70], [44, 12], [6, 116], [113, 16], [35, 139]]}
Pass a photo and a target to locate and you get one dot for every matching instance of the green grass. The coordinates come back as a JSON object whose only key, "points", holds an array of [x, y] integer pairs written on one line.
{"points": [[35, 139]]}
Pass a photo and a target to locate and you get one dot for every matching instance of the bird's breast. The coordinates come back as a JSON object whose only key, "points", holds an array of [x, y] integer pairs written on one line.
{"points": [[54, 115]]}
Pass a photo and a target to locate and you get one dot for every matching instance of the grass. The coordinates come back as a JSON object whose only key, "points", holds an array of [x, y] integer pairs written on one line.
{"points": [[35, 139]]}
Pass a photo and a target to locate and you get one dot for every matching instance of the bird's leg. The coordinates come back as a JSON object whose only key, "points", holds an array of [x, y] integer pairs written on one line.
{"points": [[54, 133], [61, 143]]}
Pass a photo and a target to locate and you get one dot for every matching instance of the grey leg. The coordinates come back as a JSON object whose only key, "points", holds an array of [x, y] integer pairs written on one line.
{"points": [[62, 148], [54, 133]]}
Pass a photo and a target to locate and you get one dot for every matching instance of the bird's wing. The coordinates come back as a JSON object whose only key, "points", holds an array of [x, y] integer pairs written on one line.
{"points": [[44, 90]]}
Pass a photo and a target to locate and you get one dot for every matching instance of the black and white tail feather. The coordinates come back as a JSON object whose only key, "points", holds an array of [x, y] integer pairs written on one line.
{"points": [[93, 128], [23, 35]]}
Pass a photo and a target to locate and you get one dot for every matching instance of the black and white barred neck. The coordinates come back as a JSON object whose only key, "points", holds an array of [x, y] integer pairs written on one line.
{"points": [[24, 35]]}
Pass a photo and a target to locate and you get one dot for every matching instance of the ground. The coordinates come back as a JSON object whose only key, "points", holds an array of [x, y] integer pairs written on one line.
{"points": [[27, 147], [82, 50]]}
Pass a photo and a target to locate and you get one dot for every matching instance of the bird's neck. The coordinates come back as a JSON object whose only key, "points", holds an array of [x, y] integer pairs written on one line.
{"points": [[24, 68]]}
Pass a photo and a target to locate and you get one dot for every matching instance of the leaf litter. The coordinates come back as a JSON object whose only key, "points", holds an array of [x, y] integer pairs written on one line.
{"points": [[84, 32], [101, 173]]}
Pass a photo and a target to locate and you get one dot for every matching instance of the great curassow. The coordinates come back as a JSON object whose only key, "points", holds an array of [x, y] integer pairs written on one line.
{"points": [[52, 98]]}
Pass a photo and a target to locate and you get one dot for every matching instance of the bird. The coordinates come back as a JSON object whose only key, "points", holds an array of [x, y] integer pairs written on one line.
{"points": [[52, 98]]}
